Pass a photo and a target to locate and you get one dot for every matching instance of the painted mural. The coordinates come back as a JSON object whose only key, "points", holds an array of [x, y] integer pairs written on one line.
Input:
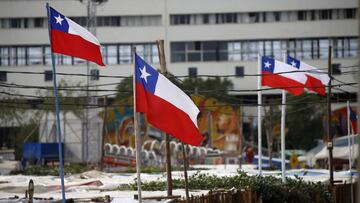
{"points": [[218, 123]]}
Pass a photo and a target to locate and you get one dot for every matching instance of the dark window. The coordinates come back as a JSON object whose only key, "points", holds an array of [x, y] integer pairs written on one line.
{"points": [[38, 22], [301, 15], [325, 14], [192, 72], [94, 74], [181, 19], [206, 18], [26, 25], [210, 50], [15, 23], [239, 71], [336, 69], [48, 75], [254, 17], [313, 15], [277, 16], [350, 13], [3, 76]]}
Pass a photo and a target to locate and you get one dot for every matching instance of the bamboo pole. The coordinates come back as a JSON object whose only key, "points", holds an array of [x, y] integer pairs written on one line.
{"points": [[160, 45]]}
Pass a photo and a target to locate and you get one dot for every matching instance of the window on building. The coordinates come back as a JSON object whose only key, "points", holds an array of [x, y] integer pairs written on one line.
{"points": [[239, 71], [210, 51], [234, 51], [21, 56], [335, 67], [47, 55], [35, 55], [325, 14], [192, 72], [301, 15], [15, 23], [205, 18], [94, 74], [350, 13], [277, 16], [253, 17], [323, 48], [193, 51], [3, 76], [111, 54], [125, 54], [38, 22], [353, 47], [48, 75], [180, 19], [306, 49], [178, 53], [4, 56]]}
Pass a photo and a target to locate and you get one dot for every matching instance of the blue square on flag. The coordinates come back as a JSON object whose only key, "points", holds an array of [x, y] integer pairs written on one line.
{"points": [[267, 64]]}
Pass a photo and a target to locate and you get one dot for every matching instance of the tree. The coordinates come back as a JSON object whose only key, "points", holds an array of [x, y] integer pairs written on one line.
{"points": [[304, 121], [210, 87]]}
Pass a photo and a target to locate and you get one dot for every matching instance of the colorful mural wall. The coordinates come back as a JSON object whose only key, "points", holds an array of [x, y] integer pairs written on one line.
{"points": [[219, 124]]}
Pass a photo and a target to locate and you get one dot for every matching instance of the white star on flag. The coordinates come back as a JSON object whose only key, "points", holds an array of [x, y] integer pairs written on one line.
{"points": [[144, 74], [293, 63], [267, 64], [59, 19]]}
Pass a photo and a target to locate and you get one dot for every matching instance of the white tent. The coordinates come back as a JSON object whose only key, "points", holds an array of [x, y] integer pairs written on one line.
{"points": [[338, 152]]}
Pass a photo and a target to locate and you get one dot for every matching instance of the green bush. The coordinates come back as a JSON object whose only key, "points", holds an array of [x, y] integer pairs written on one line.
{"points": [[52, 170], [270, 188]]}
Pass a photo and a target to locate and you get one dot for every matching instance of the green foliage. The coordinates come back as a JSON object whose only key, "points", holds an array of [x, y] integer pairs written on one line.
{"points": [[304, 121], [155, 169], [270, 188], [211, 87], [124, 89], [52, 170]]}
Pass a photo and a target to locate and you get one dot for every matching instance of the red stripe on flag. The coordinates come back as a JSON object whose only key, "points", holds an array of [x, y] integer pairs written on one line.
{"points": [[315, 85], [74, 45], [166, 117], [278, 81]]}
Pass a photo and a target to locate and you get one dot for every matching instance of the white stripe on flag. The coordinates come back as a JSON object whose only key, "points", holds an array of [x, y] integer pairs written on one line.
{"points": [[76, 29], [174, 95], [281, 67]]}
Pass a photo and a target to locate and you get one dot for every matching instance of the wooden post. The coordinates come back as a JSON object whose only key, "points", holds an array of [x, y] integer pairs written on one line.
{"points": [[160, 45], [185, 172], [103, 134], [329, 138]]}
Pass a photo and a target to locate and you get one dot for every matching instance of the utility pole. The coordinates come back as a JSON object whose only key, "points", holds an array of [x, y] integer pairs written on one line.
{"points": [[91, 26], [329, 135]]}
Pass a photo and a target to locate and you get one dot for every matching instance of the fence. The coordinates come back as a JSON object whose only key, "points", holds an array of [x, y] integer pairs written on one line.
{"points": [[340, 193]]}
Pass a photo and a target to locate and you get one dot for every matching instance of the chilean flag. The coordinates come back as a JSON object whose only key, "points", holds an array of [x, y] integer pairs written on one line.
{"points": [[165, 105], [353, 119], [71, 39], [316, 80], [279, 75]]}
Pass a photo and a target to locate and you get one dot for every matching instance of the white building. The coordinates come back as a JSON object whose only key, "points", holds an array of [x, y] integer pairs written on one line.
{"points": [[202, 37]]}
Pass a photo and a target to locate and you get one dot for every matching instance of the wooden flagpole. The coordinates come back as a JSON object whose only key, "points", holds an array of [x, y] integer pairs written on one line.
{"points": [[350, 149], [103, 134], [329, 135], [137, 135], [184, 147], [58, 130], [160, 46]]}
